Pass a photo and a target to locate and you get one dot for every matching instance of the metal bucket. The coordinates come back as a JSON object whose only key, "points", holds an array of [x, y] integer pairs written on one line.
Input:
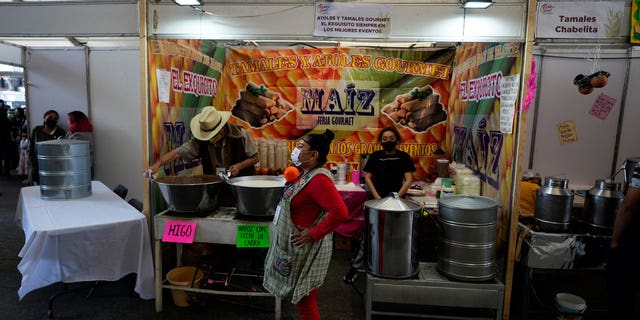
{"points": [[64, 169], [554, 202], [391, 237], [467, 235], [257, 195]]}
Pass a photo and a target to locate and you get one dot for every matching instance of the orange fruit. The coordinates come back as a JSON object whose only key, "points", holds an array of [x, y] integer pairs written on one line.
{"points": [[291, 173]]}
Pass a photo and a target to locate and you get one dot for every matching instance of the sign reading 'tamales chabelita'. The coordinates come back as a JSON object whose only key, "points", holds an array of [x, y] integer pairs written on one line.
{"points": [[580, 19]]}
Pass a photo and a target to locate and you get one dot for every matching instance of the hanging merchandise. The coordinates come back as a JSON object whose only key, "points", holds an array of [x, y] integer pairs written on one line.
{"points": [[597, 79]]}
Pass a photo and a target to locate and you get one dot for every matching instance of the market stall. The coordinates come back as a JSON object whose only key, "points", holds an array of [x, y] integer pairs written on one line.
{"points": [[279, 89]]}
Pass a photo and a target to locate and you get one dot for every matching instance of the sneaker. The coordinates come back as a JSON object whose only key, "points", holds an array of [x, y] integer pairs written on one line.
{"points": [[351, 276]]}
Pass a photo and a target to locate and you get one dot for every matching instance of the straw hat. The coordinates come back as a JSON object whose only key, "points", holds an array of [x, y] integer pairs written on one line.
{"points": [[208, 123]]}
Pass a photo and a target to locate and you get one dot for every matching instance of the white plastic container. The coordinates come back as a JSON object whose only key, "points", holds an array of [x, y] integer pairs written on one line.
{"points": [[467, 182]]}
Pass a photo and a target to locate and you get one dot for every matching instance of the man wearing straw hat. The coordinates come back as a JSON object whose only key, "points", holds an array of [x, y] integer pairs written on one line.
{"points": [[219, 144]]}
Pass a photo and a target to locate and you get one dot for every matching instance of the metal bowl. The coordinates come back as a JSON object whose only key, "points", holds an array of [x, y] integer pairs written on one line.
{"points": [[257, 195], [190, 193]]}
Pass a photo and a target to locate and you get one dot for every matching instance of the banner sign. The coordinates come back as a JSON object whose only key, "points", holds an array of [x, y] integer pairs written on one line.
{"points": [[283, 94], [184, 76], [280, 94], [579, 19], [474, 119], [352, 20], [635, 21]]}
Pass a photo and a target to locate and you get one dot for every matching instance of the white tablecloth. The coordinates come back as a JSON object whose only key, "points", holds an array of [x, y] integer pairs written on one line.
{"points": [[100, 237]]}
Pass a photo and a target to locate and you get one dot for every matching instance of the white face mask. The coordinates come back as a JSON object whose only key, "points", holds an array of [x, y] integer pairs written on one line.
{"points": [[294, 157]]}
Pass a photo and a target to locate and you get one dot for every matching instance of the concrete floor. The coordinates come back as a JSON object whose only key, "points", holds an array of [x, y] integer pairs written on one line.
{"points": [[111, 300]]}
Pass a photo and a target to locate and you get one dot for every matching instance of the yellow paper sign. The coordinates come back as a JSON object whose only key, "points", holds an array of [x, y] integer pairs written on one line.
{"points": [[567, 131]]}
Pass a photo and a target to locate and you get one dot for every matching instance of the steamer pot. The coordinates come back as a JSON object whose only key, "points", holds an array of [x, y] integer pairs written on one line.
{"points": [[257, 195], [391, 237], [190, 193], [467, 227]]}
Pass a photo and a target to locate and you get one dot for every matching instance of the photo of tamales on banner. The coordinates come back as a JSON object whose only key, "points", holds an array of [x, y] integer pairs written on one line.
{"points": [[284, 93]]}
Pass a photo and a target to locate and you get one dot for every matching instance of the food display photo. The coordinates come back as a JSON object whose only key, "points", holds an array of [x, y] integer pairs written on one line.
{"points": [[418, 109], [260, 106]]}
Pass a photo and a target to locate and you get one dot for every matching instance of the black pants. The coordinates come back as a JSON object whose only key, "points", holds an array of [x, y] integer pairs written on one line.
{"points": [[623, 282]]}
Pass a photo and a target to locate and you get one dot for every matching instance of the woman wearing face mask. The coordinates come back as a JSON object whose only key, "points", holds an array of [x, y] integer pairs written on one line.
{"points": [[301, 239], [48, 131], [80, 128], [387, 170]]}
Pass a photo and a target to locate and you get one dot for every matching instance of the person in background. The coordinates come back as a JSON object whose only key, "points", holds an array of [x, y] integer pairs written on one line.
{"points": [[6, 150], [301, 241], [80, 128], [24, 163], [387, 170], [623, 274], [528, 186], [219, 144], [48, 131]]}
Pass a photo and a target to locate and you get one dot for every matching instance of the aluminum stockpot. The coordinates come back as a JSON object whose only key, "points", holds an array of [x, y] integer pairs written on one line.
{"points": [[257, 195], [467, 227], [190, 193], [64, 167], [391, 237]]}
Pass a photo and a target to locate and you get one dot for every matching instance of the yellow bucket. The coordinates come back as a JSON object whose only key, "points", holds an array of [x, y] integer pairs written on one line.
{"points": [[182, 276]]}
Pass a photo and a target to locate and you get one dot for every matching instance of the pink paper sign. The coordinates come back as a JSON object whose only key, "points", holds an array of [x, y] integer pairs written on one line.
{"points": [[179, 231], [602, 106]]}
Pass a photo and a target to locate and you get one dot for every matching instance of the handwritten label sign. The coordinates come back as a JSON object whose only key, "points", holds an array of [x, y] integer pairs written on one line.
{"points": [[179, 231], [602, 106], [567, 131], [252, 236]]}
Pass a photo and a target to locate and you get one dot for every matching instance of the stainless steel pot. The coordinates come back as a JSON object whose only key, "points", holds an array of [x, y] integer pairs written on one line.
{"points": [[554, 202], [391, 237], [601, 203], [466, 237], [257, 195], [64, 167], [190, 193]]}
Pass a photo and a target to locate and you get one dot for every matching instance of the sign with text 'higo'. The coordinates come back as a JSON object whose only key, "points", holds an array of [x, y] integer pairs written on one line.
{"points": [[179, 231]]}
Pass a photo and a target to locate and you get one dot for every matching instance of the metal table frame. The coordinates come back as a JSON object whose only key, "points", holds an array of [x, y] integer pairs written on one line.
{"points": [[433, 289], [217, 228]]}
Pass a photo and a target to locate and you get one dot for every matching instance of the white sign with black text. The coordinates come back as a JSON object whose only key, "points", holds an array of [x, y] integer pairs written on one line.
{"points": [[352, 20], [580, 19]]}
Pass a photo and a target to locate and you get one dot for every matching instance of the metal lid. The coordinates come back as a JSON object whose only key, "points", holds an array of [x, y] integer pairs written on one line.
{"points": [[62, 142], [556, 182], [392, 203], [467, 202], [608, 184]]}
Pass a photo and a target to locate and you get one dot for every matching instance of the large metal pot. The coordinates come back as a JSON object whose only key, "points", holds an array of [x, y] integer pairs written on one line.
{"points": [[554, 202], [190, 193], [601, 203], [466, 237], [257, 195], [64, 167], [391, 237]]}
